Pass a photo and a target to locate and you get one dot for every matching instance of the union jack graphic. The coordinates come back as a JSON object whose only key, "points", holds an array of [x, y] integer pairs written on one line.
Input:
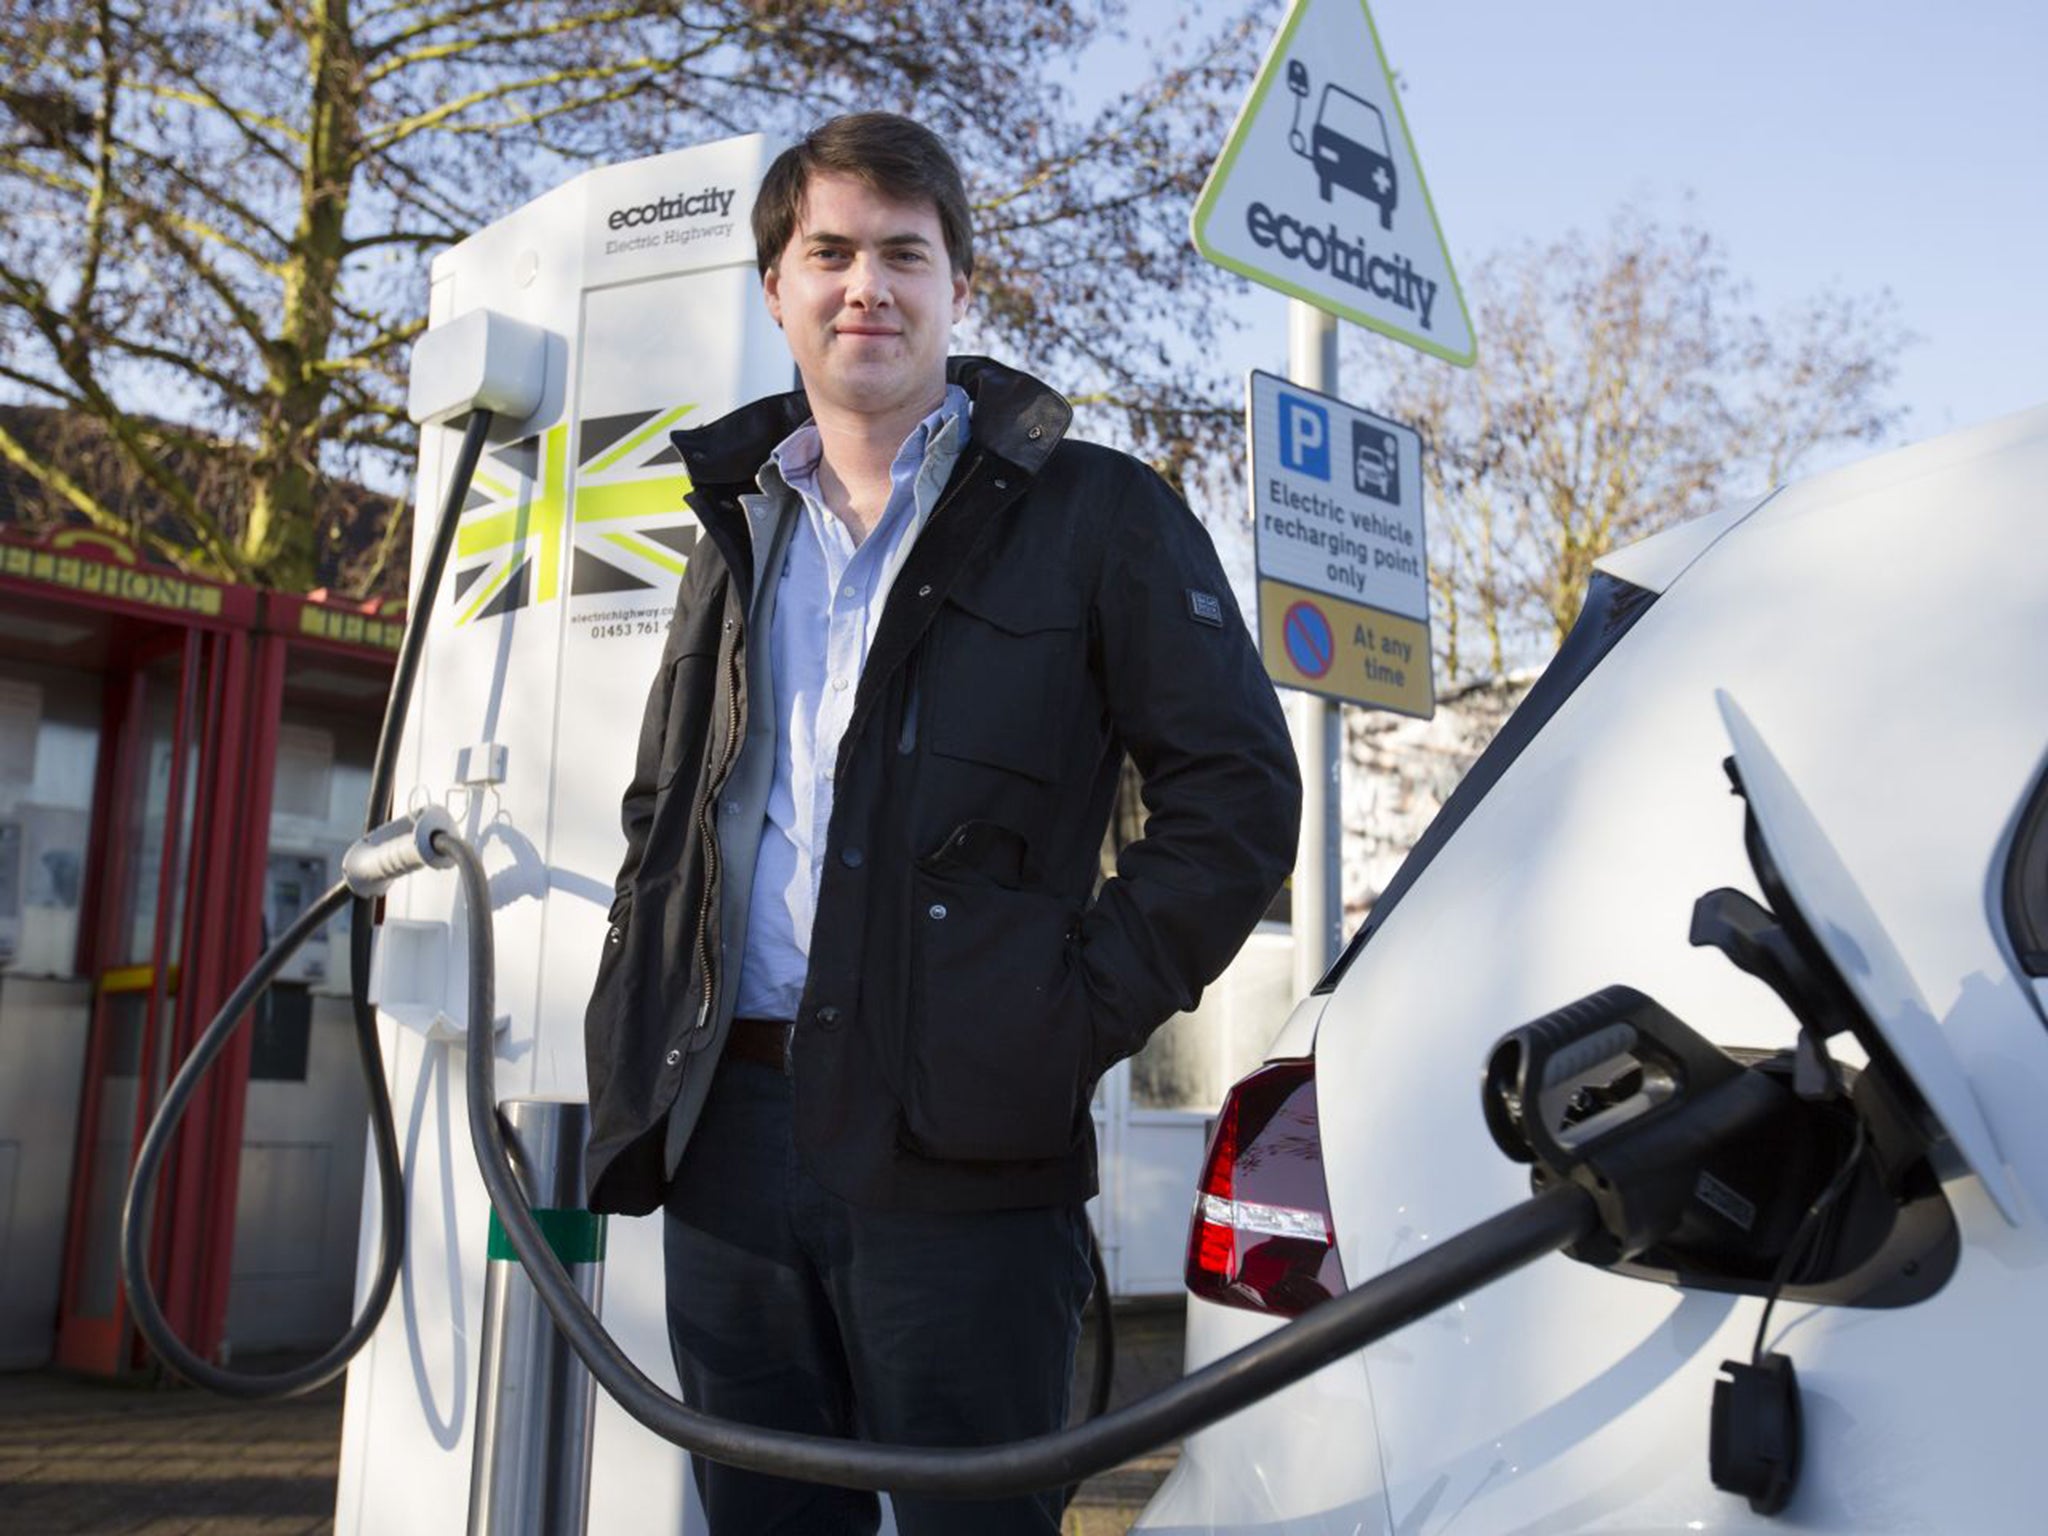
{"points": [[631, 532]]}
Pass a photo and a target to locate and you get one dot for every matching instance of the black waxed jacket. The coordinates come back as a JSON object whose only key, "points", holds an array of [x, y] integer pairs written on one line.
{"points": [[967, 983]]}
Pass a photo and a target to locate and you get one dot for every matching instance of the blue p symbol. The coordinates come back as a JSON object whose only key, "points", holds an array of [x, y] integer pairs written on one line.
{"points": [[1304, 436]]}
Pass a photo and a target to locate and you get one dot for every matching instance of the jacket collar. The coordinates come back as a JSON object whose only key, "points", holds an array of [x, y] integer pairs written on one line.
{"points": [[1016, 417]]}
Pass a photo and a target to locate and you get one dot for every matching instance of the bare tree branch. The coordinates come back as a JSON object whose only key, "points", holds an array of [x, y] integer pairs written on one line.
{"points": [[1622, 386]]}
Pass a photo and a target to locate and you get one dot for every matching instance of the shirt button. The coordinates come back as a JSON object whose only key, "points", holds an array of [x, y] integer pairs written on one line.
{"points": [[732, 807], [673, 1057], [847, 590], [839, 685], [850, 857]]}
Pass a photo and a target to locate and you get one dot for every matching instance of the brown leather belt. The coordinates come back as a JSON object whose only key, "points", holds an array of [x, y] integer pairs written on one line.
{"points": [[764, 1042]]}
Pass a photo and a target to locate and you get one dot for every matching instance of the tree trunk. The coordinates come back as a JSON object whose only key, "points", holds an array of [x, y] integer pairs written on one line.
{"points": [[278, 540]]}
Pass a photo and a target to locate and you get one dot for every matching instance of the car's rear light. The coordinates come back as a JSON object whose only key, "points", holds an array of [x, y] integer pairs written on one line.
{"points": [[1262, 1237]]}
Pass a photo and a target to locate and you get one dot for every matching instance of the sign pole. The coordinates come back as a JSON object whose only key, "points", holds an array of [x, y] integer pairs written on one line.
{"points": [[1318, 894], [1318, 194]]}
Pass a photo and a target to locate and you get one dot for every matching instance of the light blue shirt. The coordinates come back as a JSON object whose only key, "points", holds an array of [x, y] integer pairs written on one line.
{"points": [[828, 600]]}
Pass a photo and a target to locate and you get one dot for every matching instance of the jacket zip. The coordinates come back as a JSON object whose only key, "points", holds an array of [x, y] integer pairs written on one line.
{"points": [[906, 735], [966, 478], [906, 738], [708, 832]]}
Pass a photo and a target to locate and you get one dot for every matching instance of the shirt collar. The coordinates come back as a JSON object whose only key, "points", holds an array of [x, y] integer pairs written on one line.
{"points": [[797, 456]]}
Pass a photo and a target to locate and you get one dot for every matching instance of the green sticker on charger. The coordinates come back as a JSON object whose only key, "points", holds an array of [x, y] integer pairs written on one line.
{"points": [[577, 1237]]}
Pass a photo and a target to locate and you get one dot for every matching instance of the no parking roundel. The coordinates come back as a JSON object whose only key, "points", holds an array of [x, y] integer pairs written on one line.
{"points": [[1311, 645]]}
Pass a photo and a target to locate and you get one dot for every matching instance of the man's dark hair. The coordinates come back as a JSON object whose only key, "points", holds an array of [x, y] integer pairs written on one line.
{"points": [[892, 155]]}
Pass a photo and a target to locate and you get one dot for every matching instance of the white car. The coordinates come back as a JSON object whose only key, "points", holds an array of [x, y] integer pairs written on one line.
{"points": [[1870, 649]]}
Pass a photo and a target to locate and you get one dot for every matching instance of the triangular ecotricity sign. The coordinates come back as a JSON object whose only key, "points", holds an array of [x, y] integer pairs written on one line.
{"points": [[1318, 192]]}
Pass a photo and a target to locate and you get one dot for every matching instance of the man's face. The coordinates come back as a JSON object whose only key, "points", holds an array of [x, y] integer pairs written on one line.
{"points": [[867, 296]]}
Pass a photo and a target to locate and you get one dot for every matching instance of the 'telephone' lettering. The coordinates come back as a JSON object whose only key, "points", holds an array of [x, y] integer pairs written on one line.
{"points": [[716, 201], [1328, 250]]}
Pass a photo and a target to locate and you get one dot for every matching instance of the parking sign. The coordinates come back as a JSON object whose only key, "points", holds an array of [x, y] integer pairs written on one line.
{"points": [[1343, 572], [1304, 436]]}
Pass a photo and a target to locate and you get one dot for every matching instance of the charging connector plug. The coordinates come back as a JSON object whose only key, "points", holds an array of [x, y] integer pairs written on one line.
{"points": [[380, 859], [1660, 1126]]}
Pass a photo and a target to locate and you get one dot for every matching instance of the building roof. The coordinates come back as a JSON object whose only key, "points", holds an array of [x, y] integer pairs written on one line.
{"points": [[352, 517]]}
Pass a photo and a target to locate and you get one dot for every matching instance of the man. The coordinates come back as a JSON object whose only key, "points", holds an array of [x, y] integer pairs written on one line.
{"points": [[858, 988]]}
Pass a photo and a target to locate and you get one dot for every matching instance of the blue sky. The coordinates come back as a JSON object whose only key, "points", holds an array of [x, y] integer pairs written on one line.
{"points": [[1865, 146]]}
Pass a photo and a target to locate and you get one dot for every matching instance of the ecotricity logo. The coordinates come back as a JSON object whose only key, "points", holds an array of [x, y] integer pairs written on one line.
{"points": [[691, 210], [630, 531], [1345, 144]]}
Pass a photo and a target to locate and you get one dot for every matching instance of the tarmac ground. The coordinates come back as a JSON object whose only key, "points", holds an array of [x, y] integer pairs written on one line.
{"points": [[82, 1457]]}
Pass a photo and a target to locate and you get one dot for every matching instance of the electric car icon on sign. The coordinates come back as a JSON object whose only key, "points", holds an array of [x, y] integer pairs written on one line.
{"points": [[1375, 462], [1347, 146]]}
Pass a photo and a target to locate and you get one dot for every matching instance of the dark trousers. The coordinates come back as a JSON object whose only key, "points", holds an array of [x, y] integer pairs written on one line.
{"points": [[790, 1309]]}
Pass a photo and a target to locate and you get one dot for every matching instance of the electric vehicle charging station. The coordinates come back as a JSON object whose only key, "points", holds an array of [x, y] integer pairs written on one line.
{"points": [[639, 286]]}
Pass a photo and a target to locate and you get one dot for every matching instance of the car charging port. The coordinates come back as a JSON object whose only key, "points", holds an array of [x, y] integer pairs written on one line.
{"points": [[1774, 1174], [1705, 1168]]}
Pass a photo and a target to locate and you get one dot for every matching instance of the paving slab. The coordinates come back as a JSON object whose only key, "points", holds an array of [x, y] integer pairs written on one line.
{"points": [[82, 1457]]}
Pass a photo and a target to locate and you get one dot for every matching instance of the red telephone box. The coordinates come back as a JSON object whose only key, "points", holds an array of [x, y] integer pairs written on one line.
{"points": [[178, 884]]}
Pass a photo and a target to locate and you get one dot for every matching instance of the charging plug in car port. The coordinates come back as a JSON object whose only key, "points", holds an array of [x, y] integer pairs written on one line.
{"points": [[1709, 1170], [1663, 1129], [1761, 1173], [1704, 1163]]}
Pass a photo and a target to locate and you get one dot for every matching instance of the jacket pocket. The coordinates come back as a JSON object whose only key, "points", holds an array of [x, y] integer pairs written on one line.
{"points": [[612, 999], [621, 1034], [1004, 661], [999, 1047], [689, 683]]}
